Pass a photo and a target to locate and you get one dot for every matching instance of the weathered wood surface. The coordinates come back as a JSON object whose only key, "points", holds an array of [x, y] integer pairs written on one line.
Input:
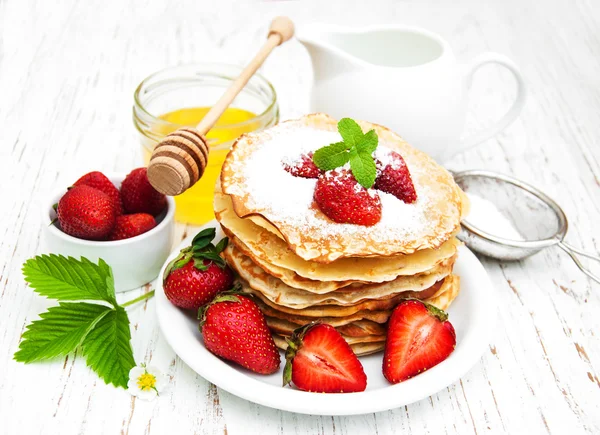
{"points": [[67, 74]]}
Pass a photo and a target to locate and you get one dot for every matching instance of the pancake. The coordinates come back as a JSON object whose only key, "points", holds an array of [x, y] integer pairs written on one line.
{"points": [[254, 177], [359, 328], [360, 349], [338, 316], [264, 247], [280, 293]]}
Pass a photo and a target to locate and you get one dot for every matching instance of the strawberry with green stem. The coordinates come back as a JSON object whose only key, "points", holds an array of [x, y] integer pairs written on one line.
{"points": [[198, 273], [234, 328]]}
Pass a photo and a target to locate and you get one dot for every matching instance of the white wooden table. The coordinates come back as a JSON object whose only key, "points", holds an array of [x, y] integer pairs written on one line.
{"points": [[67, 74]]}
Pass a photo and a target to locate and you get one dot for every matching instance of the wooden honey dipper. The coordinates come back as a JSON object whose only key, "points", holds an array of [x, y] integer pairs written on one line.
{"points": [[179, 160]]}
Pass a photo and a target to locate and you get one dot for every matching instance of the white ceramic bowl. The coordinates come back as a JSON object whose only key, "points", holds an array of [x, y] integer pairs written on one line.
{"points": [[135, 261]]}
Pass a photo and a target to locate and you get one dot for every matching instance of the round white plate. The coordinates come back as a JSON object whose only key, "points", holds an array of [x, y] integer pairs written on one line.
{"points": [[470, 314]]}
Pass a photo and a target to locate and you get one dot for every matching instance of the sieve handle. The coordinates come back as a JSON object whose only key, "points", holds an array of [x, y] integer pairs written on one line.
{"points": [[572, 251]]}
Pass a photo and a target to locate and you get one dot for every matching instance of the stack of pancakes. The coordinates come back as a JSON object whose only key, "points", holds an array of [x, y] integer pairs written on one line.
{"points": [[302, 267]]}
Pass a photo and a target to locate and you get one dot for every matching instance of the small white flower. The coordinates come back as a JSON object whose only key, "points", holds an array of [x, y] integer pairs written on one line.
{"points": [[146, 382]]}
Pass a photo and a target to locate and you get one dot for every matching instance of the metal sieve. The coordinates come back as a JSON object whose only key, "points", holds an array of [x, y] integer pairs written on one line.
{"points": [[535, 216]]}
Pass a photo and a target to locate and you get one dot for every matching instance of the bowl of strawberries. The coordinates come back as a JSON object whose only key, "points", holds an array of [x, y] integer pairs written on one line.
{"points": [[119, 218]]}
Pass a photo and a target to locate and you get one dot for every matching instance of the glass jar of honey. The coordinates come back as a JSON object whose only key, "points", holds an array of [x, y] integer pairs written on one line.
{"points": [[181, 96]]}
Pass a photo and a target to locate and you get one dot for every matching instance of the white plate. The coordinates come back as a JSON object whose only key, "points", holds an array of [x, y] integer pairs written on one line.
{"points": [[471, 314]]}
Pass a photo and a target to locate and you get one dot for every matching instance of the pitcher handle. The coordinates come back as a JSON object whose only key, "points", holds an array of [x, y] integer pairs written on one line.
{"points": [[512, 113]]}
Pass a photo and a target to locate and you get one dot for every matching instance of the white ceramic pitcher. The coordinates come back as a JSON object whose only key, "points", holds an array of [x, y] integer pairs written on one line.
{"points": [[405, 78]]}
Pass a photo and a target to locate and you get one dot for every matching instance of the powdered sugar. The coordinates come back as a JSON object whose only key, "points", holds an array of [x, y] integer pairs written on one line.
{"points": [[283, 198]]}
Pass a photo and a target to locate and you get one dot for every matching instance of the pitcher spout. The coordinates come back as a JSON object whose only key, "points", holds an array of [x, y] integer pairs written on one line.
{"points": [[328, 58]]}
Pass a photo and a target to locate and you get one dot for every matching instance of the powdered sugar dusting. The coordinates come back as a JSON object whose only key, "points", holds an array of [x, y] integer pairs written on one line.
{"points": [[283, 198]]}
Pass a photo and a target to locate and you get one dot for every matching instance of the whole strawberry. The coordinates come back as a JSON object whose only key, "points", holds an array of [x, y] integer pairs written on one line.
{"points": [[394, 178], [419, 337], [139, 196], [304, 167], [234, 328], [339, 196], [131, 225], [99, 181], [86, 213], [318, 359], [198, 273]]}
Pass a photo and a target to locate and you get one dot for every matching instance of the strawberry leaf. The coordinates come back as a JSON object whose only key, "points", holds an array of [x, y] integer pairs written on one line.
{"points": [[107, 348], [213, 256], [222, 245], [199, 264], [331, 156], [203, 238], [68, 279], [60, 331]]}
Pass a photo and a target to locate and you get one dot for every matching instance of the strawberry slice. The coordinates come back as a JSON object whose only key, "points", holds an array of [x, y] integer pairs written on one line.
{"points": [[339, 196], [394, 178], [305, 167], [419, 337], [320, 360]]}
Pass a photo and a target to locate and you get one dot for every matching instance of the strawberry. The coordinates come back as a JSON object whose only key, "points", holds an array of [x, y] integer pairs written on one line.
{"points": [[139, 196], [394, 178], [131, 225], [86, 213], [318, 359], [99, 181], [234, 328], [304, 168], [340, 197], [198, 273], [419, 337]]}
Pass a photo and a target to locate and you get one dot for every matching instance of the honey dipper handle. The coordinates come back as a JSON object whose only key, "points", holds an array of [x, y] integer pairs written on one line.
{"points": [[179, 160], [280, 31]]}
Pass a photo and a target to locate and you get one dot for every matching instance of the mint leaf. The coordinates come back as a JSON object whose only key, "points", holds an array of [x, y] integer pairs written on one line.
{"points": [[331, 156], [368, 143], [350, 131], [58, 277], [363, 167], [59, 331], [107, 348]]}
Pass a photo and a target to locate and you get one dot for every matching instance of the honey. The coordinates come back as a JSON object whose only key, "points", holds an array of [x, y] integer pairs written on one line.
{"points": [[195, 205]]}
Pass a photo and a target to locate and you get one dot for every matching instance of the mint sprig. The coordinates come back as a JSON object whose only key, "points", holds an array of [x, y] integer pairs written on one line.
{"points": [[357, 148], [101, 329]]}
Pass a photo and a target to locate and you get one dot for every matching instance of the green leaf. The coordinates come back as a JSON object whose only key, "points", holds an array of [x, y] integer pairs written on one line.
{"points": [[363, 168], [59, 331], [58, 277], [199, 264], [213, 256], [203, 238], [369, 142], [222, 245], [331, 156], [350, 131], [107, 348]]}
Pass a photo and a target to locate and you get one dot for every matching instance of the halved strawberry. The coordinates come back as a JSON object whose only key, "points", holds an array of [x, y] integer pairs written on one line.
{"points": [[305, 167], [343, 200], [234, 328], [318, 359], [394, 178], [419, 337]]}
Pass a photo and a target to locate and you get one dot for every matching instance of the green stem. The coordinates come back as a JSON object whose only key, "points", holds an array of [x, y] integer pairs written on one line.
{"points": [[138, 299]]}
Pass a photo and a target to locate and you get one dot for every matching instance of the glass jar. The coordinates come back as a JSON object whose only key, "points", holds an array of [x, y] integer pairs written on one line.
{"points": [[180, 96]]}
